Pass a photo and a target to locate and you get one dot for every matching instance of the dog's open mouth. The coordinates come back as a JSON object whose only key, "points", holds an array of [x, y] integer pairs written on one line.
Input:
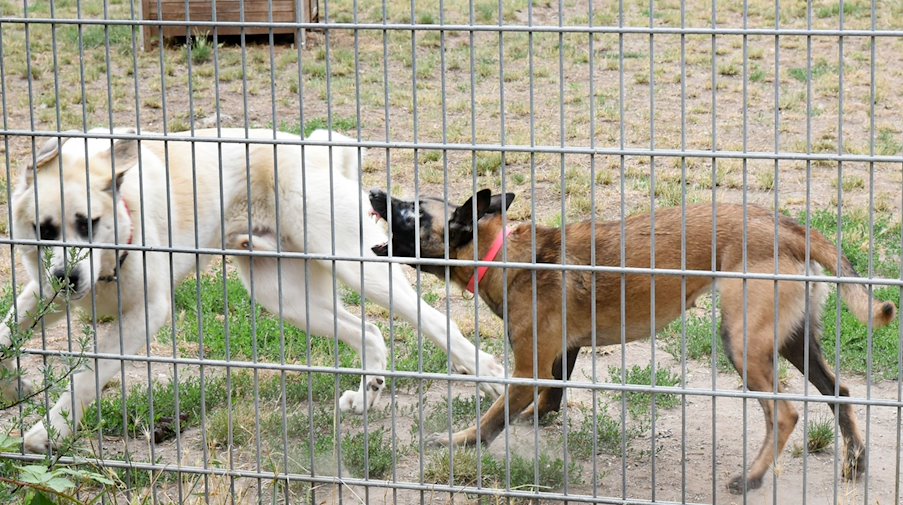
{"points": [[375, 216], [379, 249], [378, 208], [383, 248]]}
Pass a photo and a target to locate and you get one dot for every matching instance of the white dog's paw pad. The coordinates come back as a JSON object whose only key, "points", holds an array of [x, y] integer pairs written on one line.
{"points": [[354, 401]]}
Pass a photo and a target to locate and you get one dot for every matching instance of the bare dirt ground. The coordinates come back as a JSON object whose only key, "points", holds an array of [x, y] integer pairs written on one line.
{"points": [[398, 90]]}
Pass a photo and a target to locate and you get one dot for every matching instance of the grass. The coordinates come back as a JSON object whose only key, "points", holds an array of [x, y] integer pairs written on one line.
{"points": [[199, 48], [250, 331], [464, 471], [467, 468], [820, 68], [888, 142], [463, 415], [372, 460], [699, 341], [339, 124], [95, 37], [134, 418], [821, 435], [850, 9], [640, 404], [593, 435]]}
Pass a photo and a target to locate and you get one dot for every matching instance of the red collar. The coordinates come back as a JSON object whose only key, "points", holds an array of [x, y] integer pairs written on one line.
{"points": [[119, 261], [490, 256]]}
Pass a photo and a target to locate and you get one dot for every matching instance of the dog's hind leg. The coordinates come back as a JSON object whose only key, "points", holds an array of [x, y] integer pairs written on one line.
{"points": [[328, 318], [823, 379], [759, 373], [759, 376], [465, 357]]}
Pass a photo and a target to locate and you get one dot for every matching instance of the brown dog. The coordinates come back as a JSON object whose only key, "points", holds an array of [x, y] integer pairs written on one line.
{"points": [[423, 223]]}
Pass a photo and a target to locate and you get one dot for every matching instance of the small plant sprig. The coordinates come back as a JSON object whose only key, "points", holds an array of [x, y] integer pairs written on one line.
{"points": [[60, 293], [45, 482]]}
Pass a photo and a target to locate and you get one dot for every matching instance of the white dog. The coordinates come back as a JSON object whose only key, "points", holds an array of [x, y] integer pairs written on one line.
{"points": [[183, 206]]}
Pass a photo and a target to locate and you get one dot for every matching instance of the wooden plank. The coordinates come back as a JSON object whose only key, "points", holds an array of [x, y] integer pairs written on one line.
{"points": [[204, 13], [281, 11]]}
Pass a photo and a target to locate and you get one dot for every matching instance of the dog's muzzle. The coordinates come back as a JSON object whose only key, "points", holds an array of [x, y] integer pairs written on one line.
{"points": [[69, 283], [378, 208]]}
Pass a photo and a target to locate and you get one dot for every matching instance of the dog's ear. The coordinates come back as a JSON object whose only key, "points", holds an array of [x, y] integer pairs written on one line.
{"points": [[123, 155], [48, 152], [495, 204], [464, 216], [460, 224]]}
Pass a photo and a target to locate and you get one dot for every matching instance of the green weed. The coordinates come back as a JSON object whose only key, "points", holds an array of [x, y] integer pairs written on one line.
{"points": [[463, 415], [94, 36], [586, 440], [464, 472], [550, 470], [850, 9], [339, 124], [640, 404], [200, 49], [821, 435], [138, 406], [375, 462], [699, 341], [820, 68], [888, 142]]}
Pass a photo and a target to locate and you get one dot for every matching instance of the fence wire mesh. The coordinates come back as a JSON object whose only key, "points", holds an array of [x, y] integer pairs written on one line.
{"points": [[192, 241]]}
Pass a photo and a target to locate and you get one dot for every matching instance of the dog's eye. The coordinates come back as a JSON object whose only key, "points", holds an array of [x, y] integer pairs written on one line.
{"points": [[81, 225], [47, 230]]}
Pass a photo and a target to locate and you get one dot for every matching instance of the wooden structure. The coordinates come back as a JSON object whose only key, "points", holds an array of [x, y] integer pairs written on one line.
{"points": [[284, 11]]}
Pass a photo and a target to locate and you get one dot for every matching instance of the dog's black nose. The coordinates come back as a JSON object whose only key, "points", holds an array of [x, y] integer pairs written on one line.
{"points": [[70, 279]]}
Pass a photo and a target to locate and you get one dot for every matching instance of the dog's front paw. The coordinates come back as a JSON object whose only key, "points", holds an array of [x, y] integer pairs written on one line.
{"points": [[489, 367], [436, 440], [463, 438], [37, 440], [736, 485], [353, 401], [14, 388], [855, 462]]}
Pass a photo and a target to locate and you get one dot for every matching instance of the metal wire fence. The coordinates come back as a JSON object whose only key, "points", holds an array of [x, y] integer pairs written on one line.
{"points": [[189, 239]]}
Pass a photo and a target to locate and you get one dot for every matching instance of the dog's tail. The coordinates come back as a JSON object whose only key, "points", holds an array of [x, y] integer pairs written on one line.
{"points": [[345, 159], [856, 296]]}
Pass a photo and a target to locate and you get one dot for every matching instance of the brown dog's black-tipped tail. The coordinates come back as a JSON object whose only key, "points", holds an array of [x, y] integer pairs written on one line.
{"points": [[885, 314], [856, 296]]}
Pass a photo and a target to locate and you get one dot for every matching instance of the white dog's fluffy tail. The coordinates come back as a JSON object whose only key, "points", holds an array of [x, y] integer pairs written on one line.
{"points": [[344, 158]]}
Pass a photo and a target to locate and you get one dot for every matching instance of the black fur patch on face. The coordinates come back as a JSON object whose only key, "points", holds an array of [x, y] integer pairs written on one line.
{"points": [[81, 226], [404, 219], [47, 230]]}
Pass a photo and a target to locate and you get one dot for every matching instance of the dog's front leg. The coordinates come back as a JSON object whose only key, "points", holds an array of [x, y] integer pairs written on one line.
{"points": [[517, 398], [465, 357], [372, 348], [493, 421], [370, 345], [20, 317], [68, 410]]}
